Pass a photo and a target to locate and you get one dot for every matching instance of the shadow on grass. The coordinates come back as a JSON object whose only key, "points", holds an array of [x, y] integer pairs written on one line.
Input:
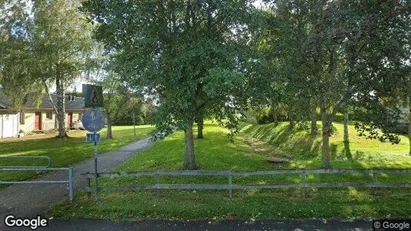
{"points": [[347, 151], [299, 146], [343, 154]]}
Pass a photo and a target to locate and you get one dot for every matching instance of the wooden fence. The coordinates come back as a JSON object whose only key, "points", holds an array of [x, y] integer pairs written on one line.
{"points": [[230, 174]]}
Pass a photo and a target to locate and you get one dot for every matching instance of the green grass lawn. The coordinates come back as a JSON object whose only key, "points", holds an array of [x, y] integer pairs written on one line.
{"points": [[63, 152], [305, 151], [248, 153]]}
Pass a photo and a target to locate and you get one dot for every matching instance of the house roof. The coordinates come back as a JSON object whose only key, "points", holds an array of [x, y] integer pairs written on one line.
{"points": [[5, 101], [76, 104]]}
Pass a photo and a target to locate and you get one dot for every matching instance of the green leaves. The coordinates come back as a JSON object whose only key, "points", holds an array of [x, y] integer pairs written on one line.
{"points": [[333, 53], [185, 52], [42, 43], [219, 81]]}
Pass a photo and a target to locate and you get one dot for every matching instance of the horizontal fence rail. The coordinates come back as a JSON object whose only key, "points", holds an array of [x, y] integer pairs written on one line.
{"points": [[303, 173], [69, 182], [27, 158]]}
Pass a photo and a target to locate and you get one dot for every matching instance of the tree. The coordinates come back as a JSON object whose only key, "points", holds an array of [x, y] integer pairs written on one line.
{"points": [[384, 51], [342, 48], [347, 149], [55, 37], [192, 56], [137, 111], [16, 63], [282, 41], [116, 100], [396, 58], [349, 44], [62, 40]]}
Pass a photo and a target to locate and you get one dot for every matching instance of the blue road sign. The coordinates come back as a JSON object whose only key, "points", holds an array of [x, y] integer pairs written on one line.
{"points": [[93, 137], [93, 95], [93, 120]]}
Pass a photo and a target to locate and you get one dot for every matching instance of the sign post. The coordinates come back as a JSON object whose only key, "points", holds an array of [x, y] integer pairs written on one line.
{"points": [[93, 121], [95, 169]]}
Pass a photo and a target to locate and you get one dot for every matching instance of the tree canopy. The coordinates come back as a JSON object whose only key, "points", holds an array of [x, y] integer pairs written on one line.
{"points": [[189, 54], [45, 43], [216, 59]]}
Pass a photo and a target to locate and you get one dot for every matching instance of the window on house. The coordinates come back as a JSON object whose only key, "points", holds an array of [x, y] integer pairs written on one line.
{"points": [[22, 115], [49, 115]]}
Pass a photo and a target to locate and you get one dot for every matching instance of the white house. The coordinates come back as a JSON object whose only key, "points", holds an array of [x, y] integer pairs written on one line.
{"points": [[37, 119]]}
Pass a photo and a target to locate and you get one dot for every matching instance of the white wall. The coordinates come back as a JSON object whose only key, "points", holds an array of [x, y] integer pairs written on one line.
{"points": [[9, 125]]}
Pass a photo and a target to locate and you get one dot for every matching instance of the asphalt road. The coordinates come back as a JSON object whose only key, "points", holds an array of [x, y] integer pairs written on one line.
{"points": [[286, 225]]}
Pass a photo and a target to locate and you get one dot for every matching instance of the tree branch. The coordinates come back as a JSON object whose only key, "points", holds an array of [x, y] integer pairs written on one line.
{"points": [[50, 98]]}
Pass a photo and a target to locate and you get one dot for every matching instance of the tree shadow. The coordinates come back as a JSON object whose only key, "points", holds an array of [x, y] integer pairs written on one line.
{"points": [[347, 151], [290, 141], [343, 154]]}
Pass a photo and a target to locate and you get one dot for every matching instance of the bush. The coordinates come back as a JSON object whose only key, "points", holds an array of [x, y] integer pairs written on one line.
{"points": [[266, 115]]}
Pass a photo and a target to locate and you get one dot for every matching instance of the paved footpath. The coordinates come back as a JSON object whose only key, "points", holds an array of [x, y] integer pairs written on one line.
{"points": [[34, 199]]}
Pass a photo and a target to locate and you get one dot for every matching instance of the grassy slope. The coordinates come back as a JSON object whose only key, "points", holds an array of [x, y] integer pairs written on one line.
{"points": [[216, 152], [305, 151], [213, 152], [64, 152]]}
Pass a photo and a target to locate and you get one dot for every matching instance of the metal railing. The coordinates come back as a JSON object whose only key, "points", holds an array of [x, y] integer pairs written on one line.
{"points": [[69, 182], [303, 185], [47, 158]]}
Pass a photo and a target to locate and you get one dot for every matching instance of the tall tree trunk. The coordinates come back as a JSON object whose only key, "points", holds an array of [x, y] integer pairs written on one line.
{"points": [[109, 128], [275, 114], [346, 136], [61, 108], [313, 115], [409, 123], [291, 117], [189, 161], [409, 132], [275, 118], [134, 123], [46, 87], [200, 127], [326, 132]]}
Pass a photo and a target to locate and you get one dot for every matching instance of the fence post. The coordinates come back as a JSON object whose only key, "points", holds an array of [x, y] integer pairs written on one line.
{"points": [[303, 183], [375, 180], [88, 186], [157, 175], [71, 185], [374, 176], [230, 185]]}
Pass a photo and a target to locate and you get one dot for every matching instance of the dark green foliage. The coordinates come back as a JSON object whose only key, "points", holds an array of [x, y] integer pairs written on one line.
{"points": [[145, 115], [189, 54], [377, 119], [372, 131]]}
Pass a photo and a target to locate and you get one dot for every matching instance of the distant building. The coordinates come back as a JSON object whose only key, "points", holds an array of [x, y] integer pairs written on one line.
{"points": [[30, 118]]}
